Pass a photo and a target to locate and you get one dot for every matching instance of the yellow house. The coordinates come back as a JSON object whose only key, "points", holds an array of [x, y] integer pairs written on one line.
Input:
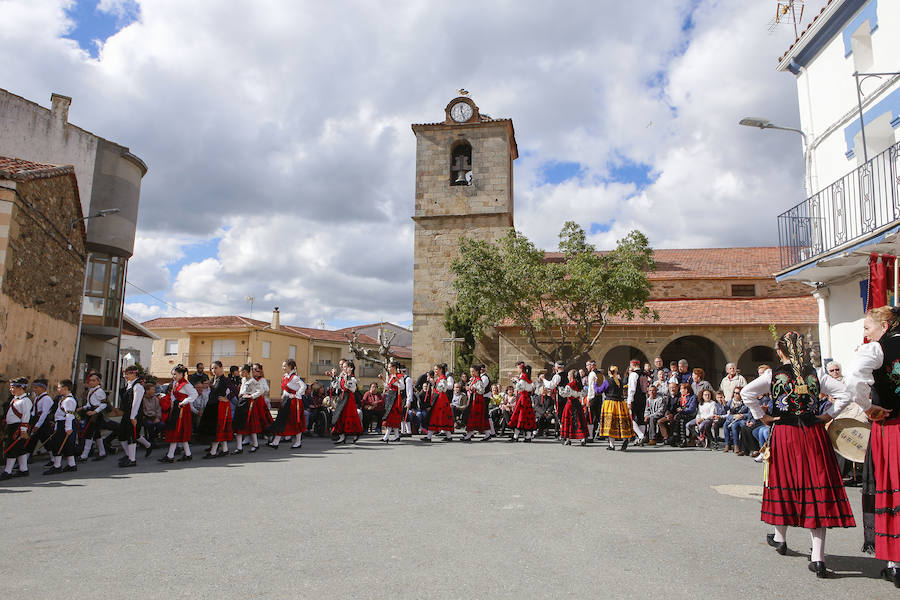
{"points": [[237, 340]]}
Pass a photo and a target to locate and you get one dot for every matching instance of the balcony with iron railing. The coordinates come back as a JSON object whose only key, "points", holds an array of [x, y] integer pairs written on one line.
{"points": [[858, 204]]}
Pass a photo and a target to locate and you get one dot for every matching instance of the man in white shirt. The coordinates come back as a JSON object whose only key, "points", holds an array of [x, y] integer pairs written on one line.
{"points": [[731, 380], [594, 402], [17, 418]]}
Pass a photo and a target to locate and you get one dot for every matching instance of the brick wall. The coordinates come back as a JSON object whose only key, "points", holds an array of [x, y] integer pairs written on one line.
{"points": [[721, 288]]}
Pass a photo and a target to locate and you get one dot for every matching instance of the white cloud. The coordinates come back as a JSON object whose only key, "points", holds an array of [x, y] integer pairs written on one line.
{"points": [[285, 130]]}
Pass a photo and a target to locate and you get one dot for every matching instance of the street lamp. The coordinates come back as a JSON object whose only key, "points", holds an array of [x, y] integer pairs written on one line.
{"points": [[99, 214], [860, 77], [767, 124]]}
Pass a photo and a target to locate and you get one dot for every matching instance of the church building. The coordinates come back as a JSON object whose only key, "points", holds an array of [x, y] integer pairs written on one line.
{"points": [[715, 305]]}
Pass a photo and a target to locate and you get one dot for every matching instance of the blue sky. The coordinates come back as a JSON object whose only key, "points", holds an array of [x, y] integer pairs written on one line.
{"points": [[93, 24]]}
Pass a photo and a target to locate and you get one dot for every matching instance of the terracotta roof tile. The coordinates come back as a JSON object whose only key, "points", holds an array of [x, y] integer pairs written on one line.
{"points": [[223, 322], [17, 169], [329, 335], [760, 262], [805, 29]]}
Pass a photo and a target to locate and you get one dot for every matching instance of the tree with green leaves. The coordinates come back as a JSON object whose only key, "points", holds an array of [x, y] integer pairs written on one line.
{"points": [[561, 307]]}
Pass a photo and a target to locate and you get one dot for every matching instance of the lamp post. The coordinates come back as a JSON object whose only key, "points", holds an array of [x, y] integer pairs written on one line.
{"points": [[860, 77], [766, 124]]}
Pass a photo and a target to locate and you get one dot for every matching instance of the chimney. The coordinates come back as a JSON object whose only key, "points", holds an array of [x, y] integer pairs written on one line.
{"points": [[276, 319], [59, 107]]}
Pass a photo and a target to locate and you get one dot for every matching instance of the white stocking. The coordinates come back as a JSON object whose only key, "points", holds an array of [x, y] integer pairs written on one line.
{"points": [[254, 441], [130, 449], [70, 460], [171, 453], [9, 464], [101, 449], [240, 441], [780, 532], [187, 448], [298, 439], [143, 442], [57, 461], [818, 544], [276, 440], [23, 463], [639, 430], [88, 444]]}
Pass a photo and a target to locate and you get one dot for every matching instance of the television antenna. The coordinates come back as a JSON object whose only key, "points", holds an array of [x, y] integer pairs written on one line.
{"points": [[250, 299], [788, 12]]}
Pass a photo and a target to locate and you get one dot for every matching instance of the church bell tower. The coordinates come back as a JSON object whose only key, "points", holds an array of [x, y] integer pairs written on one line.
{"points": [[464, 187]]}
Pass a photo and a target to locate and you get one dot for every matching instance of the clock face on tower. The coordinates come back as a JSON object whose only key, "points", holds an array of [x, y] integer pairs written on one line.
{"points": [[461, 112]]}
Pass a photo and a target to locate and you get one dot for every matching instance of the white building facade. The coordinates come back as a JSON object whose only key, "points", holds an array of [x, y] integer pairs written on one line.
{"points": [[853, 208]]}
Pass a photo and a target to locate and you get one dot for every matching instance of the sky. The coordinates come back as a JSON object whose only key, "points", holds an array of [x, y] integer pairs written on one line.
{"points": [[282, 163]]}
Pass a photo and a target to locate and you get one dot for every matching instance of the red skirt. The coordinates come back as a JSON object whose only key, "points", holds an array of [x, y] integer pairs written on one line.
{"points": [[393, 418], [478, 420], [184, 426], [886, 457], [223, 423], [804, 488], [348, 423], [441, 417], [296, 422], [523, 413], [258, 417], [573, 424]]}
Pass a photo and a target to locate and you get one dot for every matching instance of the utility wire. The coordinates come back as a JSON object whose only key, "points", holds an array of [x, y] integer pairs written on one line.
{"points": [[139, 288]]}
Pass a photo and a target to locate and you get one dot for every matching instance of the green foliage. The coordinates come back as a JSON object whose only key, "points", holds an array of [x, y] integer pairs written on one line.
{"points": [[463, 326], [561, 307]]}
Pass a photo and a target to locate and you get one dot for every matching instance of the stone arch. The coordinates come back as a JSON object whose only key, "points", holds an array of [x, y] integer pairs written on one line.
{"points": [[621, 356], [753, 357], [700, 352]]}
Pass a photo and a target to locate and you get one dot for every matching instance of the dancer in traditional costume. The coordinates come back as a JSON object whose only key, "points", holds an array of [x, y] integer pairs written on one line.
{"points": [[131, 396], [488, 397], [345, 419], [615, 417], [476, 414], [394, 402], [408, 409], [573, 425], [179, 425], [873, 382], [440, 415], [638, 382], [215, 424], [264, 408], [93, 411], [62, 442], [18, 418], [41, 425], [522, 417], [803, 487], [291, 418], [250, 411]]}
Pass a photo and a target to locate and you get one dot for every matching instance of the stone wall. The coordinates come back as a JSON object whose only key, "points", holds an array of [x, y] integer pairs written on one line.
{"points": [[721, 288], [40, 297]]}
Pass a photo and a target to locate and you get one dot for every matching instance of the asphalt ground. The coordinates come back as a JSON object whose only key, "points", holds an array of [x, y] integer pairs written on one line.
{"points": [[409, 520]]}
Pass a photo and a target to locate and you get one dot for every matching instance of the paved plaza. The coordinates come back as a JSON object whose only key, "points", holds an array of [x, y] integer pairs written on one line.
{"points": [[406, 520]]}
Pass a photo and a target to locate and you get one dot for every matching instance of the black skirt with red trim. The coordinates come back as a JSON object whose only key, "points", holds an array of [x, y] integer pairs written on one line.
{"points": [[291, 419], [16, 442], [523, 413], [885, 440], [224, 432], [478, 419], [62, 443], [128, 432], [804, 487]]}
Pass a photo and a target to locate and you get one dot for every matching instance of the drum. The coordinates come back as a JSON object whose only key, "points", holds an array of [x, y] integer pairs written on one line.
{"points": [[850, 438]]}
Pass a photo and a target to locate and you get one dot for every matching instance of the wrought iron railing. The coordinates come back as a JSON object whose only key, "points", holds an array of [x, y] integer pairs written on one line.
{"points": [[854, 206]]}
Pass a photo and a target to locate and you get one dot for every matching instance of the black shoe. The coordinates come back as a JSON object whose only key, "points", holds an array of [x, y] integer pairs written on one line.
{"points": [[22, 474], [355, 438], [567, 442], [527, 440], [253, 449], [49, 463], [512, 439], [148, 451], [4, 476], [780, 547], [624, 446], [239, 451], [186, 458], [166, 459], [53, 471], [70, 469], [487, 437], [130, 463], [447, 439], [818, 567], [582, 443], [271, 445], [610, 447], [891, 574], [300, 445], [208, 456], [99, 457], [427, 440]]}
